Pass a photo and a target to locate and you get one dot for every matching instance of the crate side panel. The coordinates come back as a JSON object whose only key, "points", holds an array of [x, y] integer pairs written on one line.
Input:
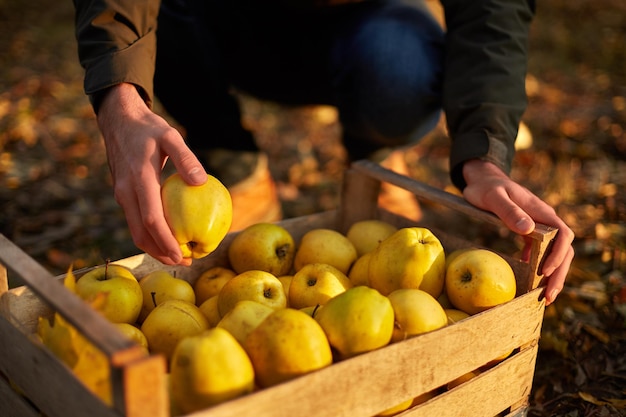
{"points": [[45, 380], [366, 384], [13, 404], [487, 394]]}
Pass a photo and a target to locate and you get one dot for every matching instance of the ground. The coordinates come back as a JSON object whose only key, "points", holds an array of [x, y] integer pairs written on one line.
{"points": [[56, 198]]}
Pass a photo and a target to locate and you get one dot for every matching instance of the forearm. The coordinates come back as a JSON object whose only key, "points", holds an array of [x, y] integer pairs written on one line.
{"points": [[484, 80]]}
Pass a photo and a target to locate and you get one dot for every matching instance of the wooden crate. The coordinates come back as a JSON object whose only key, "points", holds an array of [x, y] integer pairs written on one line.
{"points": [[32, 379]]}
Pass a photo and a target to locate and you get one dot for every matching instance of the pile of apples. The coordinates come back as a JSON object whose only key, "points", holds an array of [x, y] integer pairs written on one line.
{"points": [[278, 309]]}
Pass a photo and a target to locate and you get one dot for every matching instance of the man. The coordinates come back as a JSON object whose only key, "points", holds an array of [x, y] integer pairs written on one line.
{"points": [[387, 66]]}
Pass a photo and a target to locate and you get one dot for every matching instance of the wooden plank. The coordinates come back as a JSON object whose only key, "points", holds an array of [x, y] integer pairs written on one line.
{"points": [[49, 384], [88, 321], [353, 387], [487, 394], [13, 404]]}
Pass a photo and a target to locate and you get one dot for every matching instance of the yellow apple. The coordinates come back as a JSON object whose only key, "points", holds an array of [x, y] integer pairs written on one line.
{"points": [[210, 282], [357, 321], [415, 312], [264, 246], [325, 246], [169, 323], [413, 257], [287, 344], [359, 273], [207, 369], [210, 310], [199, 216], [315, 284], [133, 333], [244, 317], [455, 315], [479, 279], [255, 285], [159, 286], [286, 281], [462, 379], [365, 235], [397, 409], [123, 293]]}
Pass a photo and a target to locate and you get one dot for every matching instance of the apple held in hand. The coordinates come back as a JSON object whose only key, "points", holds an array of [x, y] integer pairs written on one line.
{"points": [[199, 216], [124, 297]]}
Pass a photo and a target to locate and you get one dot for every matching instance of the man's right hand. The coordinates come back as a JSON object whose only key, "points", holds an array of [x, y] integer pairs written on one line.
{"points": [[138, 143]]}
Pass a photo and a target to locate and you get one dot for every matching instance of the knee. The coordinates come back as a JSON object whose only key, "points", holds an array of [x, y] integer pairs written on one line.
{"points": [[392, 82]]}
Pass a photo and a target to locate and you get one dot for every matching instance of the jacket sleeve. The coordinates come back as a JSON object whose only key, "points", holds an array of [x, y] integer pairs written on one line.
{"points": [[117, 43], [484, 93]]}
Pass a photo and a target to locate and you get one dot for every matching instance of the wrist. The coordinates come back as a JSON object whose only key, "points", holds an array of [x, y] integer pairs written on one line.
{"points": [[477, 169]]}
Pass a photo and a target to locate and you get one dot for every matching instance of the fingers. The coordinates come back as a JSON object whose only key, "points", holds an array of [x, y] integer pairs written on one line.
{"points": [[556, 280], [186, 163]]}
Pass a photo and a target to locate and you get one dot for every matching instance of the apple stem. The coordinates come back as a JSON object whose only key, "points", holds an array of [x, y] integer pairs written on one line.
{"points": [[317, 306], [153, 295], [106, 267]]}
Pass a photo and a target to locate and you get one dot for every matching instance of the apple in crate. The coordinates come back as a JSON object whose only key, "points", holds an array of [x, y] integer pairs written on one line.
{"points": [[123, 293]]}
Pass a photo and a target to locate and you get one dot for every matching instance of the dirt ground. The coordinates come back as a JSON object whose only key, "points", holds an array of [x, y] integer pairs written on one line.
{"points": [[56, 199]]}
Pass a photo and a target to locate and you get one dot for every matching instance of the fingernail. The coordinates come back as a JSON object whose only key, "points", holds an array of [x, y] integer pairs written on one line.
{"points": [[523, 224], [197, 175], [175, 257], [553, 295]]}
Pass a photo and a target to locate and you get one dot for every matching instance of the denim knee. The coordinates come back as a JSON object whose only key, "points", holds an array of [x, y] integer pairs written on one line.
{"points": [[389, 77]]}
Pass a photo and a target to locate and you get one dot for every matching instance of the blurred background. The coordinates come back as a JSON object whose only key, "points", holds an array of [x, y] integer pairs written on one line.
{"points": [[56, 199]]}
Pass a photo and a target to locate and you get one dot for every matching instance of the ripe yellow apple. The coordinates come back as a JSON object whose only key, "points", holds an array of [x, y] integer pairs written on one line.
{"points": [[415, 312], [357, 321], [286, 281], [169, 323], [159, 286], [359, 273], [199, 216], [210, 310], [365, 235], [264, 246], [210, 282], [315, 284], [413, 257], [479, 279], [244, 317], [124, 297], [463, 378], [287, 344], [133, 333], [455, 315], [325, 246], [392, 411], [255, 285], [207, 369], [452, 255]]}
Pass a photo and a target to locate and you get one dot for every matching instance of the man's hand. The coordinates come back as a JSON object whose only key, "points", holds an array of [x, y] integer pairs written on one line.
{"points": [[138, 143], [491, 189]]}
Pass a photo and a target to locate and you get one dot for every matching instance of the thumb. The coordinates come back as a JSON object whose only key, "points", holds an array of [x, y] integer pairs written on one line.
{"points": [[185, 161]]}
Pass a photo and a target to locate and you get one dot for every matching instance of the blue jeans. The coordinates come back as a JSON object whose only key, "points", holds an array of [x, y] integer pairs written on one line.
{"points": [[379, 63]]}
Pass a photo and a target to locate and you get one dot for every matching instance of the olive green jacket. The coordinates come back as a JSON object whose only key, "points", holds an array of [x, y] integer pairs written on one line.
{"points": [[483, 82]]}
